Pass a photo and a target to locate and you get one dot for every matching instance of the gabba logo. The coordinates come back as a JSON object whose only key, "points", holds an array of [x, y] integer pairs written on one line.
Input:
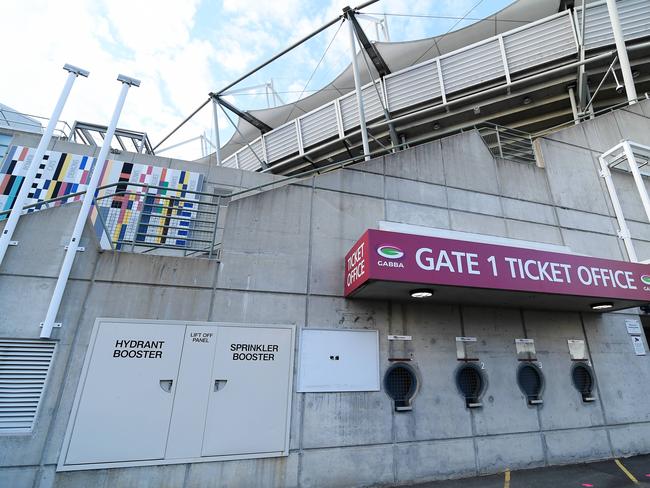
{"points": [[645, 279], [390, 254]]}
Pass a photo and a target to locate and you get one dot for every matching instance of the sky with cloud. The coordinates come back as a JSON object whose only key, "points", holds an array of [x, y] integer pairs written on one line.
{"points": [[183, 49]]}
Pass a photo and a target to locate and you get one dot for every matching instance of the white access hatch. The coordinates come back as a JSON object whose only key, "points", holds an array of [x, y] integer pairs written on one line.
{"points": [[170, 392], [128, 394], [338, 360]]}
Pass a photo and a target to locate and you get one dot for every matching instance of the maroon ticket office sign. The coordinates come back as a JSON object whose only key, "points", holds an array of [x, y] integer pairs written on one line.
{"points": [[380, 256]]}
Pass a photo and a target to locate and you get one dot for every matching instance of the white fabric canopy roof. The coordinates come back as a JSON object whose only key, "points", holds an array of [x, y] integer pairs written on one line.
{"points": [[397, 55]]}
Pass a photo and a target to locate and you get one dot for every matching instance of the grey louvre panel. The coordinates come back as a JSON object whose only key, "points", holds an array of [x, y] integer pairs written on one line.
{"points": [[24, 365], [634, 16], [318, 125], [281, 142], [412, 86], [539, 44], [247, 159], [472, 66], [371, 105]]}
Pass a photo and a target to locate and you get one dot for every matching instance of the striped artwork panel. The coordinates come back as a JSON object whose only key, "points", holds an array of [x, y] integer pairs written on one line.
{"points": [[160, 218]]}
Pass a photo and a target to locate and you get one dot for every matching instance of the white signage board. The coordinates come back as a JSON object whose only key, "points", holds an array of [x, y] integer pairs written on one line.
{"points": [[159, 392], [463, 349], [525, 349], [639, 348], [633, 327], [400, 338], [338, 360], [577, 349]]}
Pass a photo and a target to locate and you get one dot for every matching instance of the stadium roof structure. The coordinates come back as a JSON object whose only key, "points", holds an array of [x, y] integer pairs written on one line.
{"points": [[525, 67], [398, 56]]}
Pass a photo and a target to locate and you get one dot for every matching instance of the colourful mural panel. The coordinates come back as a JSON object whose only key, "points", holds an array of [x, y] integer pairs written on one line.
{"points": [[161, 218]]}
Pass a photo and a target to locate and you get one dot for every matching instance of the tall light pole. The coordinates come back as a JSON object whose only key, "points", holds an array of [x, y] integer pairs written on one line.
{"points": [[73, 245], [19, 202]]}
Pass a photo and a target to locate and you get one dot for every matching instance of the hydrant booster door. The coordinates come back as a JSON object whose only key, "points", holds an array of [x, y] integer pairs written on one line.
{"points": [[128, 394], [158, 393]]}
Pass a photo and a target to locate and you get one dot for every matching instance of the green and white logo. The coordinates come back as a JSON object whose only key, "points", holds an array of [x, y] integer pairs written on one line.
{"points": [[390, 252], [645, 279]]}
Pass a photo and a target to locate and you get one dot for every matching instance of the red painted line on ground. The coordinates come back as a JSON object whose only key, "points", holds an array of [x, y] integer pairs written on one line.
{"points": [[587, 485]]}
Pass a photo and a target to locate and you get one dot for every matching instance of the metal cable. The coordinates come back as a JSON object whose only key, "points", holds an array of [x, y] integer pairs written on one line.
{"points": [[447, 17], [181, 124], [263, 164], [294, 104], [450, 29]]}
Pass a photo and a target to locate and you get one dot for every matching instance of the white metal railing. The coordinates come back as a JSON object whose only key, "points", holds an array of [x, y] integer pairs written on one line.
{"points": [[629, 157], [494, 60], [507, 143], [12, 119]]}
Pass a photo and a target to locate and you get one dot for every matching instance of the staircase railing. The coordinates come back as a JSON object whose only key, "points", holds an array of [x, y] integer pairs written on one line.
{"points": [[143, 218], [507, 143]]}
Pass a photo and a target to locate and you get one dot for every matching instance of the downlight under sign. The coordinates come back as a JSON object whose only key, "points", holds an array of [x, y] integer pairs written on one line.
{"points": [[385, 264]]}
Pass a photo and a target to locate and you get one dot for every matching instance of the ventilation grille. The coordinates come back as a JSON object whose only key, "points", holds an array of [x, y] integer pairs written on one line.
{"points": [[530, 381], [400, 384], [470, 383], [24, 365], [583, 380]]}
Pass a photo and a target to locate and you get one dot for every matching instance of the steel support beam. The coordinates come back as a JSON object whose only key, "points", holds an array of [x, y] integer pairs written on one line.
{"points": [[624, 61], [217, 141], [255, 122], [357, 86], [373, 53]]}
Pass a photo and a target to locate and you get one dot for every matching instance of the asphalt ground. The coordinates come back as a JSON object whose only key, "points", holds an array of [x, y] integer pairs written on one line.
{"points": [[613, 473]]}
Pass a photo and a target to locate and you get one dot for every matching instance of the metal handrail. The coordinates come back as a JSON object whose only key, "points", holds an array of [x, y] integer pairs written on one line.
{"points": [[202, 222], [509, 143], [9, 123]]}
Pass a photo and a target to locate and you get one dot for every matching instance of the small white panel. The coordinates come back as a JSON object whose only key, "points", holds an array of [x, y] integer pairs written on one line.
{"points": [[639, 348], [525, 349], [338, 360], [128, 391], [633, 327], [577, 349], [400, 338], [464, 348]]}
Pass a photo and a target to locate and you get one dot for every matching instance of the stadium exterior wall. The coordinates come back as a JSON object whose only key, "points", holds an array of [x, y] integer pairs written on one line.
{"points": [[282, 263]]}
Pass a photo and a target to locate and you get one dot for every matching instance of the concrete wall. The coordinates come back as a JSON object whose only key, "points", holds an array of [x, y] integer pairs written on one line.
{"points": [[216, 178], [283, 263]]}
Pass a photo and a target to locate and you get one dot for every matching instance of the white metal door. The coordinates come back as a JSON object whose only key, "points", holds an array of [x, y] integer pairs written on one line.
{"points": [[250, 391], [128, 391], [191, 399]]}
